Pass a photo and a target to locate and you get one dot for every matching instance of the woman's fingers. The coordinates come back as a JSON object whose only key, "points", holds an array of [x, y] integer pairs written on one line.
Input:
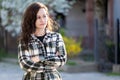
{"points": [[35, 59]]}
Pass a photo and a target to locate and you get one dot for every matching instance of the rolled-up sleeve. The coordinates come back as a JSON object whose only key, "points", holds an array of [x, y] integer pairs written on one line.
{"points": [[61, 58], [25, 62]]}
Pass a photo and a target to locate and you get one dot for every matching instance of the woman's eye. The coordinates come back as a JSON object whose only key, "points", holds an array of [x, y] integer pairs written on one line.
{"points": [[44, 16], [38, 17]]}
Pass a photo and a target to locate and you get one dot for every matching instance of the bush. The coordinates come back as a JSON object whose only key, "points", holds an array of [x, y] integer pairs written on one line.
{"points": [[4, 54], [111, 51], [73, 47]]}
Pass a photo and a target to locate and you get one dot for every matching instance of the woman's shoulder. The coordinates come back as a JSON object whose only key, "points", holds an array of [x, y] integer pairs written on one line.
{"points": [[52, 32], [55, 33]]}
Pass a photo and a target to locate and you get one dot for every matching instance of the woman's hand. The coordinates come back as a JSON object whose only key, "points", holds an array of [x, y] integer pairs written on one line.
{"points": [[57, 53], [35, 59]]}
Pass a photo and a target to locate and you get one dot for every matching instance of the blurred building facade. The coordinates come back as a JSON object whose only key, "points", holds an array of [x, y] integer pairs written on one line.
{"points": [[80, 21]]}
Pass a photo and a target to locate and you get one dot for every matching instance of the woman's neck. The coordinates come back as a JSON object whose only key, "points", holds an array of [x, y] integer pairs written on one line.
{"points": [[40, 32]]}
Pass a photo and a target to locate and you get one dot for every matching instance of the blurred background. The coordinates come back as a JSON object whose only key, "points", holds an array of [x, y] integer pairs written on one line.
{"points": [[90, 29]]}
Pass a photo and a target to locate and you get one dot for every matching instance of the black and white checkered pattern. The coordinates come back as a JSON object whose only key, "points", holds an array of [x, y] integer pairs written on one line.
{"points": [[47, 51]]}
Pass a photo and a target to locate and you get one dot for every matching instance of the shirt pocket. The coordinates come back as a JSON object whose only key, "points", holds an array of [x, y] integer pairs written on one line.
{"points": [[51, 48], [33, 49]]}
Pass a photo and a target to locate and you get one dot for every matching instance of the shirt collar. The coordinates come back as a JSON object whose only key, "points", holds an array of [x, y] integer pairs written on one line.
{"points": [[48, 34]]}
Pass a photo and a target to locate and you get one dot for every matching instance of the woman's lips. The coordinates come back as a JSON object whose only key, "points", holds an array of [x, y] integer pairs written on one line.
{"points": [[42, 24]]}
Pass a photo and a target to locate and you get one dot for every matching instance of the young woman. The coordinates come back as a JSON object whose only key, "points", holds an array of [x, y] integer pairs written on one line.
{"points": [[40, 50]]}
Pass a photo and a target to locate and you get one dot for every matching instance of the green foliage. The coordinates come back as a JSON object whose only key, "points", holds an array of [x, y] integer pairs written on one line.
{"points": [[111, 51], [73, 47], [113, 74], [71, 63], [62, 31], [4, 54], [101, 3], [100, 9]]}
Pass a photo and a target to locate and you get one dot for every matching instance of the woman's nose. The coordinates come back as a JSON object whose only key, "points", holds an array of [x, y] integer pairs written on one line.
{"points": [[41, 20]]}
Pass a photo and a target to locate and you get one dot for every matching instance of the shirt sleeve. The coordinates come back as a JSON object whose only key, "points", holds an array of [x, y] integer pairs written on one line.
{"points": [[25, 62], [61, 58]]}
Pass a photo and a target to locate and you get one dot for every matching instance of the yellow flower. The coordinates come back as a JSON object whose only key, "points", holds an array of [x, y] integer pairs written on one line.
{"points": [[73, 47]]}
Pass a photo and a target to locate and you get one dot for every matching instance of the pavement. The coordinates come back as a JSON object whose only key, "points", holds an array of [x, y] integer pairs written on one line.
{"points": [[12, 71]]}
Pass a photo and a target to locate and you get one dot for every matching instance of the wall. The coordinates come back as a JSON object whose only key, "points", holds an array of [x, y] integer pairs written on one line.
{"points": [[116, 9], [76, 23], [76, 20]]}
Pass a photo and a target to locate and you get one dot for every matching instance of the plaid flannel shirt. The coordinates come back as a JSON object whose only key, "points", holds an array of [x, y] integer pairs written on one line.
{"points": [[45, 69]]}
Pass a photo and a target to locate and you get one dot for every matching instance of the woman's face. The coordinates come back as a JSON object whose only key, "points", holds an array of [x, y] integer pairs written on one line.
{"points": [[41, 20]]}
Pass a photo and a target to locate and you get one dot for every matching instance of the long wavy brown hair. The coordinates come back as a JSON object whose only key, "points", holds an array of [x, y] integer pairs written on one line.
{"points": [[29, 19]]}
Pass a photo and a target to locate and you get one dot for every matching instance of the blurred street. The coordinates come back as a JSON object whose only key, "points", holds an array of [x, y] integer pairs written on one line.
{"points": [[12, 71]]}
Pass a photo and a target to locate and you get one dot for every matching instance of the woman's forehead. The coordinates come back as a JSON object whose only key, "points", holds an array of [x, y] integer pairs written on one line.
{"points": [[41, 11]]}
